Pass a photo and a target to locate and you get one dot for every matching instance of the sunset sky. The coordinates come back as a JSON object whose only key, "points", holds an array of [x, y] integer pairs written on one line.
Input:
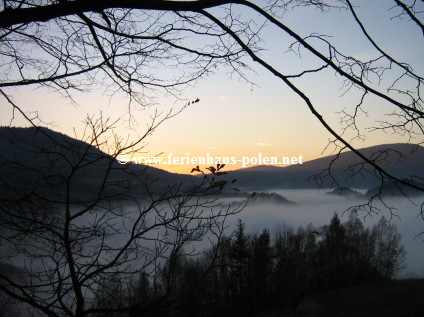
{"points": [[237, 120]]}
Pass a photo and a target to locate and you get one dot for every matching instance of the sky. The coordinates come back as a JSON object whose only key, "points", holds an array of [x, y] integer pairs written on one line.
{"points": [[234, 119]]}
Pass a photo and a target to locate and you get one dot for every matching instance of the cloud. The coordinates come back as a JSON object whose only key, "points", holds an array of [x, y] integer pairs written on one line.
{"points": [[223, 97], [262, 144], [366, 55]]}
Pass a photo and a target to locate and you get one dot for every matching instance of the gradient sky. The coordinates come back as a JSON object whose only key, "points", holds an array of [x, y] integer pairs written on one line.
{"points": [[234, 119]]}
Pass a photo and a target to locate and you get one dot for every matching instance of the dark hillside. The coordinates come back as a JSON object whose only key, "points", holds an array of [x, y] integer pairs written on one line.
{"points": [[401, 160], [40, 157]]}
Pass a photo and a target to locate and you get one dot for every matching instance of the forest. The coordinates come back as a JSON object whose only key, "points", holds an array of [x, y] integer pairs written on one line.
{"points": [[252, 272]]}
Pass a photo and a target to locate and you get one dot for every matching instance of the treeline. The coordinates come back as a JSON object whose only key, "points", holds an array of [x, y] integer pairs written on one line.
{"points": [[248, 273]]}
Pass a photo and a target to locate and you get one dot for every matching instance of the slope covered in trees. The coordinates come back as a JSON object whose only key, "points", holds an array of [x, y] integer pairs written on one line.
{"points": [[256, 272]]}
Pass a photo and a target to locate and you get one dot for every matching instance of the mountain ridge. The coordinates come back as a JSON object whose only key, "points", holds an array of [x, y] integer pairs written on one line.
{"points": [[400, 159], [38, 157]]}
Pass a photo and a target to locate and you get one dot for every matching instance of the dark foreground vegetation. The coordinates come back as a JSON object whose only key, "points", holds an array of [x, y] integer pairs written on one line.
{"points": [[384, 298], [256, 273]]}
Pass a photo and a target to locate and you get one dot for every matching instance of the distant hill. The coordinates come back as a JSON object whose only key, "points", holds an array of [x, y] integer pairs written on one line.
{"points": [[42, 158], [266, 198], [345, 192], [402, 160], [25, 152], [397, 189]]}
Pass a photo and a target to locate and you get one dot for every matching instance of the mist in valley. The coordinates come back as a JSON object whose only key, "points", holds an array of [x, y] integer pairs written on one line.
{"points": [[318, 207]]}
